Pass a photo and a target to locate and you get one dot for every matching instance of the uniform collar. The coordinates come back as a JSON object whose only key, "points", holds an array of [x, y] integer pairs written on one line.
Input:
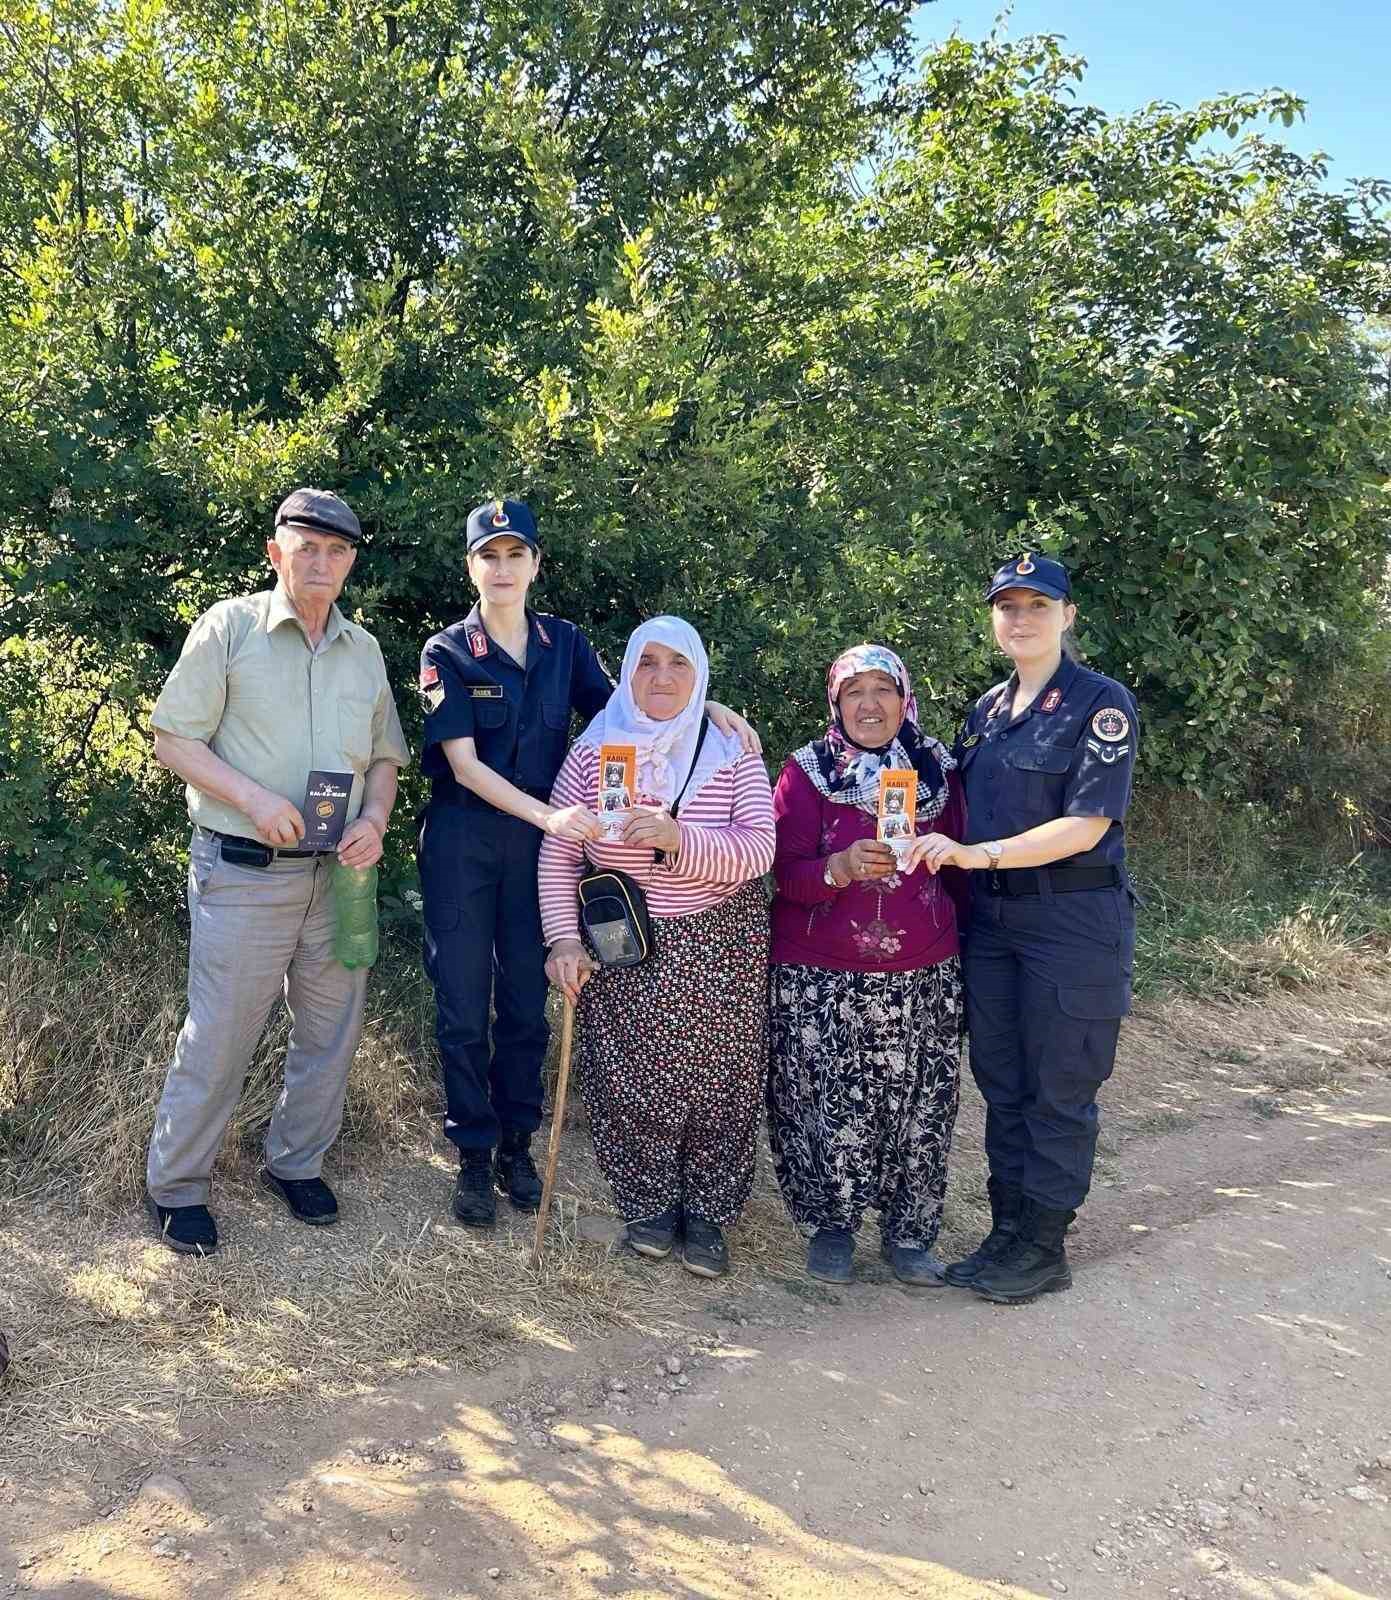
{"points": [[281, 610], [481, 643], [1049, 698]]}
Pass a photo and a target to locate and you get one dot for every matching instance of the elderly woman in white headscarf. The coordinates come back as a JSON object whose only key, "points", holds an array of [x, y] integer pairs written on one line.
{"points": [[673, 1052]]}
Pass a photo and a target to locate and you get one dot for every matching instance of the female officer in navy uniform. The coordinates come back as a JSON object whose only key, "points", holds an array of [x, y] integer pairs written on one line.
{"points": [[1046, 760], [498, 690]]}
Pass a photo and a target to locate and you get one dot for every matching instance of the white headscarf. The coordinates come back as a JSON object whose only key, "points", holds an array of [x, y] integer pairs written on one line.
{"points": [[664, 749]]}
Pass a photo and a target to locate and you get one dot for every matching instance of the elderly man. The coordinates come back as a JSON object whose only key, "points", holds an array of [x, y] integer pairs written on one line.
{"points": [[269, 689]]}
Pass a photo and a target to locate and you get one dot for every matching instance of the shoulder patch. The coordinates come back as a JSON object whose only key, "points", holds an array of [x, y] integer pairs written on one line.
{"points": [[1111, 724]]}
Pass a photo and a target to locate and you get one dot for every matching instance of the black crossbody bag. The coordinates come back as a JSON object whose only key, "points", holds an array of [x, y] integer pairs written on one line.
{"points": [[613, 907]]}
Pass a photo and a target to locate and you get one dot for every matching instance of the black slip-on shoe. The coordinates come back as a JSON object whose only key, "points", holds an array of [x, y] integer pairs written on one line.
{"points": [[307, 1199], [703, 1250], [831, 1255], [915, 1267], [654, 1236], [188, 1229]]}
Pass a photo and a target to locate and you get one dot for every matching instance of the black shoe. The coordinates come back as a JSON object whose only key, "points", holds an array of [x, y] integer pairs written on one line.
{"points": [[703, 1250], [831, 1254], [654, 1236], [307, 1199], [188, 1229], [1033, 1263], [912, 1266], [474, 1204], [1005, 1200], [516, 1175]]}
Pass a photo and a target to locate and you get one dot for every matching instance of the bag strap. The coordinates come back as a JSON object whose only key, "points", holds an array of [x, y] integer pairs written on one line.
{"points": [[659, 856], [700, 745]]}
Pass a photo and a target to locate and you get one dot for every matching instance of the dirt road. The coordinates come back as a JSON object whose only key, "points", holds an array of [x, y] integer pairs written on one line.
{"points": [[1208, 1413]]}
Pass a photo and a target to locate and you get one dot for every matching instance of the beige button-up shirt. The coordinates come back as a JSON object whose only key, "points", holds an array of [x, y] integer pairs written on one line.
{"points": [[249, 686]]}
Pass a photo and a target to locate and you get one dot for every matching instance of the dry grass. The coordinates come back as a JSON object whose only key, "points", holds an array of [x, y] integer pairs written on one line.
{"points": [[118, 1341]]}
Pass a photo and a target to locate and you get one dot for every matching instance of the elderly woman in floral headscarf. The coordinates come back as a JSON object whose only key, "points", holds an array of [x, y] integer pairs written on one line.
{"points": [[866, 983]]}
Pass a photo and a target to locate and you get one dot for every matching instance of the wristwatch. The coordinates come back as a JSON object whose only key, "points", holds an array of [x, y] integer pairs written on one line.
{"points": [[994, 849], [826, 877]]}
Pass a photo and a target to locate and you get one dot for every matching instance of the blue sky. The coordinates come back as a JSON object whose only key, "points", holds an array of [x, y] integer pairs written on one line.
{"points": [[1336, 56]]}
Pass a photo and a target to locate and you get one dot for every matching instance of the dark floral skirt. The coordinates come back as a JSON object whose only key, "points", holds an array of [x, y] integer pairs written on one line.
{"points": [[672, 1056], [864, 1075]]}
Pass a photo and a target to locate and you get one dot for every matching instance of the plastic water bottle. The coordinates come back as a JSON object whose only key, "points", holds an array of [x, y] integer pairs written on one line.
{"points": [[355, 915]]}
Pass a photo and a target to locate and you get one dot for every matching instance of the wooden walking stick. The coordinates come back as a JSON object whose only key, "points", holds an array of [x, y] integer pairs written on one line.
{"points": [[562, 1085]]}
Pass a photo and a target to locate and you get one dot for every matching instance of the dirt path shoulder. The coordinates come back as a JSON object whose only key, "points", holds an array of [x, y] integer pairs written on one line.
{"points": [[1206, 1414]]}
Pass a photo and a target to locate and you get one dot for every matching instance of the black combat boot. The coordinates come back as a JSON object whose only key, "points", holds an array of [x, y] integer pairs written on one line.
{"points": [[1033, 1263], [1005, 1200], [516, 1172], [474, 1205]]}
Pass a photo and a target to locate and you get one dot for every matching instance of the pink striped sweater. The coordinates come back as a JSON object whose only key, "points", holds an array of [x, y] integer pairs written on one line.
{"points": [[727, 838]]}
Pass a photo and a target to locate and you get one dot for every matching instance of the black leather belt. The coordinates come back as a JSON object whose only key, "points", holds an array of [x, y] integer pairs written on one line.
{"points": [[252, 846], [1015, 882]]}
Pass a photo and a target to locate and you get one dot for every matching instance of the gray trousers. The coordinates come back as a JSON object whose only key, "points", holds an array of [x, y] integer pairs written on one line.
{"points": [[255, 933]]}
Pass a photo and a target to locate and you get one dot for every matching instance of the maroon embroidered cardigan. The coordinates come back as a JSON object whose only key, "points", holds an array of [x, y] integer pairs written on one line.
{"points": [[892, 924]]}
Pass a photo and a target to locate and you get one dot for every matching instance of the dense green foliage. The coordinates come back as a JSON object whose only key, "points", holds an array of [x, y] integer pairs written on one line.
{"points": [[772, 330]]}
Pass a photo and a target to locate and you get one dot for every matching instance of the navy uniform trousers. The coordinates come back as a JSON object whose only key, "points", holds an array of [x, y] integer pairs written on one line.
{"points": [[1047, 980], [483, 942]]}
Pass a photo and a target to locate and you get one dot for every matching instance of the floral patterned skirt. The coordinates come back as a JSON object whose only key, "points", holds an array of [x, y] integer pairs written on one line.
{"points": [[864, 1075], [671, 1059]]}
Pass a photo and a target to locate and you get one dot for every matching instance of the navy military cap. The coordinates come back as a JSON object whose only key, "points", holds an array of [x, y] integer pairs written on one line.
{"points": [[501, 518], [1032, 572], [320, 511]]}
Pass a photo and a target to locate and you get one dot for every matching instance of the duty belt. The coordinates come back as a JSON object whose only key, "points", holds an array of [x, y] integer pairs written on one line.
{"points": [[1017, 881]]}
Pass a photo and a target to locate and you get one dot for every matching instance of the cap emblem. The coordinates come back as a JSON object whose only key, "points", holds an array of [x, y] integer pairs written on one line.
{"points": [[1026, 565], [500, 516]]}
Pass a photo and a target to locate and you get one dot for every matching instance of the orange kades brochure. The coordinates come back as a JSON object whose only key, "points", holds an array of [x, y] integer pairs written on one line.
{"points": [[898, 808], [618, 770]]}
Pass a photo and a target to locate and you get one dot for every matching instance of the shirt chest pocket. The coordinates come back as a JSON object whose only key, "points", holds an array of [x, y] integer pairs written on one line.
{"points": [[489, 714], [355, 731], [1039, 772]]}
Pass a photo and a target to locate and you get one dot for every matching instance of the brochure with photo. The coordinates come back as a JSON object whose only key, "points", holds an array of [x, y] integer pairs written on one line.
{"points": [[898, 808], [618, 766], [325, 809]]}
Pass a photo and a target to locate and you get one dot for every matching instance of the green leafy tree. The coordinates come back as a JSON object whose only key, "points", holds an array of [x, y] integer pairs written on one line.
{"points": [[772, 333]]}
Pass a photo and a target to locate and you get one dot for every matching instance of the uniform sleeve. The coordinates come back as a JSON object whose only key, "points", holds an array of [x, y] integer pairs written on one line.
{"points": [[448, 704], [194, 695], [743, 848], [1099, 782], [590, 685], [561, 863], [388, 739], [799, 868]]}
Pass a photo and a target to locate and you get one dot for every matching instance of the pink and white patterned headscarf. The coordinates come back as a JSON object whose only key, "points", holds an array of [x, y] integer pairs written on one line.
{"points": [[846, 773]]}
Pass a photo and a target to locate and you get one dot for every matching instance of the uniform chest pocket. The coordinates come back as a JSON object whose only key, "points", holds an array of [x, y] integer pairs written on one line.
{"points": [[489, 714], [355, 731], [1041, 771], [556, 716]]}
